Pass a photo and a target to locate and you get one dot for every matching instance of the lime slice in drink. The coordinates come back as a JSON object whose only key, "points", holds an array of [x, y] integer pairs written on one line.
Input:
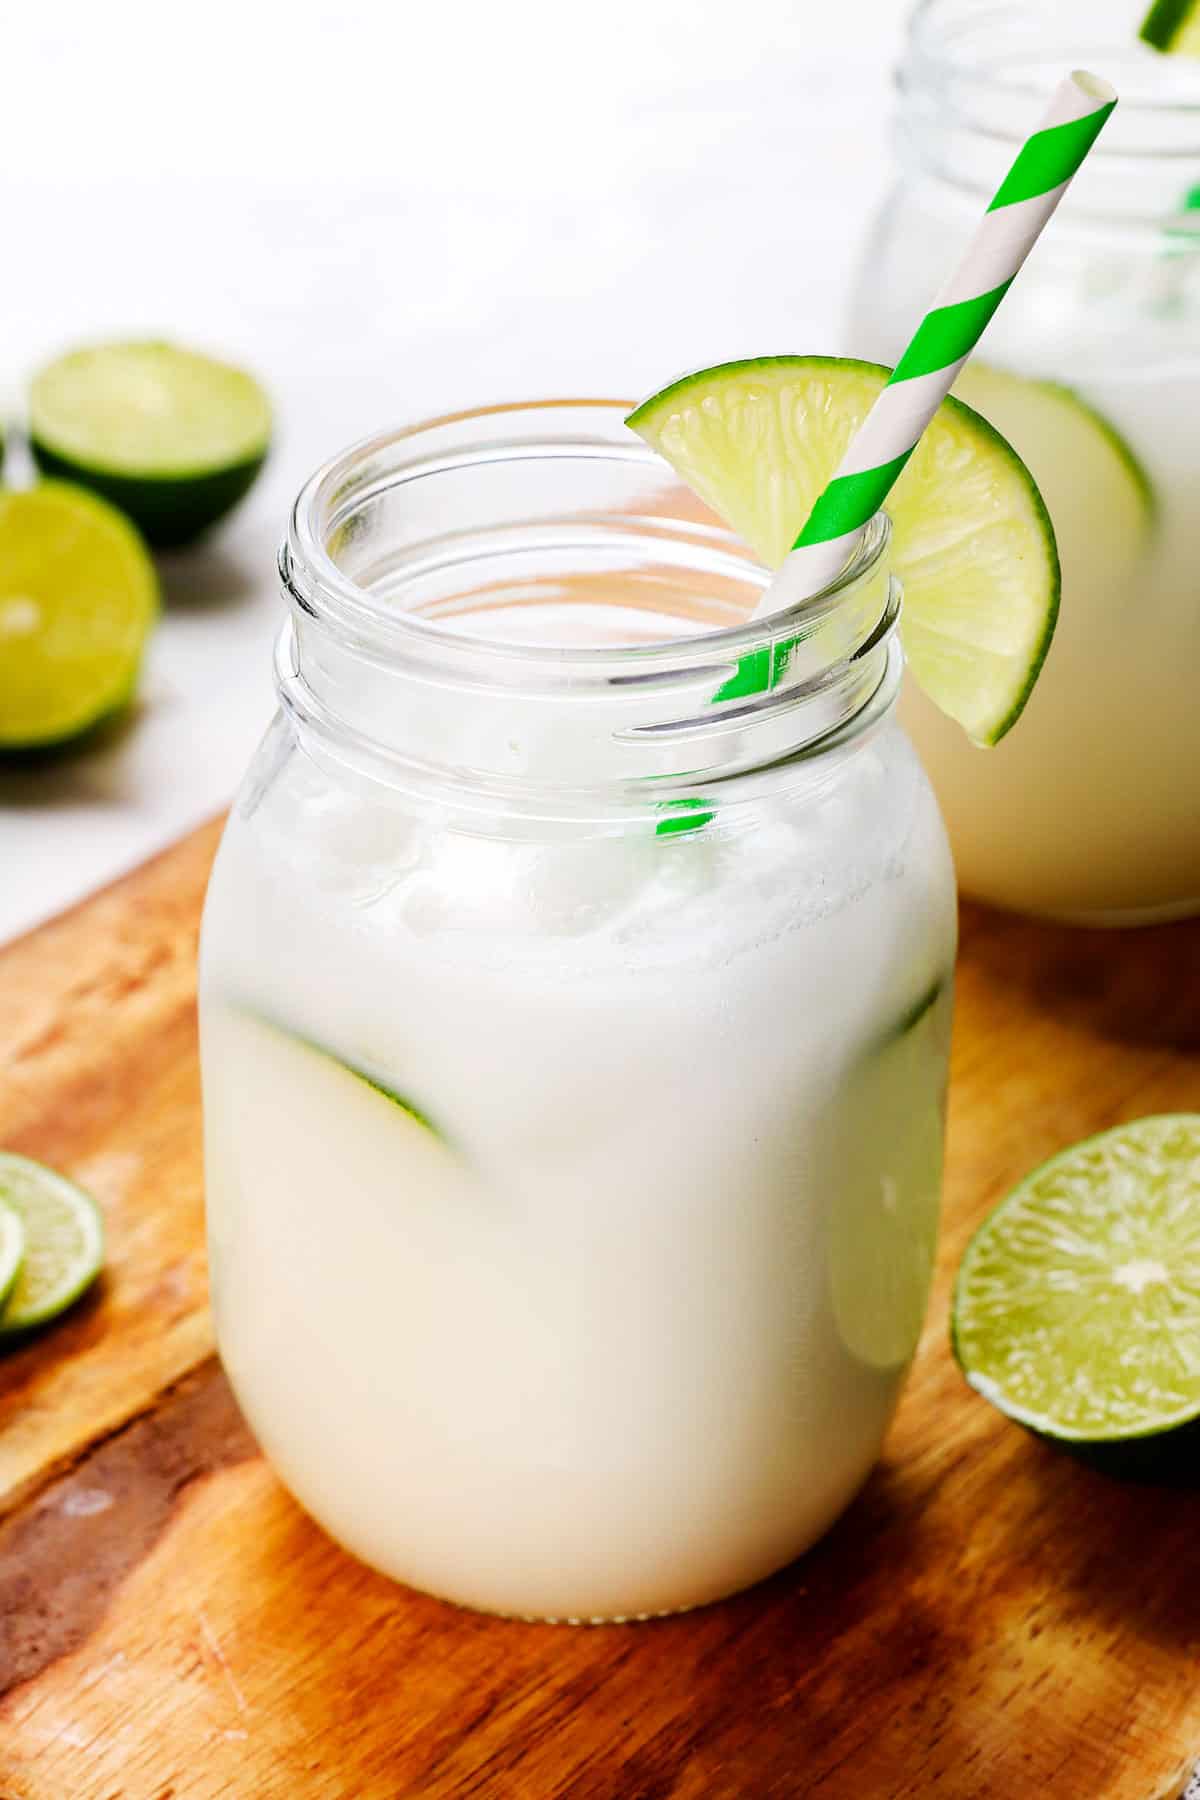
{"points": [[1077, 1305], [78, 595], [390, 1094], [1094, 486], [364, 1141], [886, 1192], [12, 1250], [972, 543], [171, 437], [1173, 25], [64, 1242]]}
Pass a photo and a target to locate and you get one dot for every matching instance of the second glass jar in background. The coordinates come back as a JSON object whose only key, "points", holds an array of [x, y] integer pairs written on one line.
{"points": [[1090, 810]]}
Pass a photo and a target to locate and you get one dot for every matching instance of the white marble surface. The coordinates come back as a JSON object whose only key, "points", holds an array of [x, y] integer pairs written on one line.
{"points": [[389, 211]]}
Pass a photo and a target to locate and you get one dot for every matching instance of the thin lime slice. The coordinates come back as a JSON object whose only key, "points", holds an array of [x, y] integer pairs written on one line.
{"points": [[1077, 1305], [415, 1113], [886, 1195], [1174, 26], [64, 1242], [1095, 488], [78, 594], [172, 437], [972, 543], [12, 1249], [371, 1141]]}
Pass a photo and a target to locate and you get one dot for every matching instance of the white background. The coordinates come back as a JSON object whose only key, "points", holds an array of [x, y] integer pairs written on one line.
{"points": [[390, 210]]}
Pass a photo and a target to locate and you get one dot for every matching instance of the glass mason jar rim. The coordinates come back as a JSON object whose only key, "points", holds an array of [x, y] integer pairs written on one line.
{"points": [[313, 580], [934, 52], [974, 76], [541, 499]]}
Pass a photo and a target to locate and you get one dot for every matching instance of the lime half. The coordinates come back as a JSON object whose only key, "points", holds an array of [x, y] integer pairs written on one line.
{"points": [[1173, 25], [78, 595], [64, 1242], [12, 1249], [1077, 1305], [172, 437], [972, 542]]}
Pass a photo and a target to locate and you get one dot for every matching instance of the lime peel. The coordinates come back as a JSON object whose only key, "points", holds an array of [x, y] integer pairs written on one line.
{"points": [[416, 1113], [1173, 26]]}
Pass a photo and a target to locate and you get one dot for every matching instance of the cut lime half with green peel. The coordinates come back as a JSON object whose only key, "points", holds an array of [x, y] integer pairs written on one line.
{"points": [[398, 1100], [78, 595], [972, 541], [64, 1242], [1077, 1305], [1174, 26], [172, 437]]}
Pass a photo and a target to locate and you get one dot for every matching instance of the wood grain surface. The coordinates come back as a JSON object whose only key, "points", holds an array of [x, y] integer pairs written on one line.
{"points": [[989, 1621]]}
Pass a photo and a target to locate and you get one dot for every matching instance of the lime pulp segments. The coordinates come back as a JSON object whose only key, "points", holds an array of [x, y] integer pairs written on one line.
{"points": [[972, 541], [64, 1242], [1174, 26], [172, 437], [1077, 1304], [12, 1250], [78, 595]]}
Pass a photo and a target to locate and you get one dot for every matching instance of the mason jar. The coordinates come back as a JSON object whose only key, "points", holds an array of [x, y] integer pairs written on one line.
{"points": [[1090, 809], [576, 983]]}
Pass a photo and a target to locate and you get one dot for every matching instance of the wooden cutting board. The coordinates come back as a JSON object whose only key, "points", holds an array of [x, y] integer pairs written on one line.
{"points": [[989, 1619]]}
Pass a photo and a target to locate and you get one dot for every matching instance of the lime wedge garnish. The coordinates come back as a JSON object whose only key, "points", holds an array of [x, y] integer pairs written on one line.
{"points": [[972, 541], [1077, 1305], [884, 1204], [1173, 25], [78, 594], [64, 1242], [171, 437], [12, 1249]]}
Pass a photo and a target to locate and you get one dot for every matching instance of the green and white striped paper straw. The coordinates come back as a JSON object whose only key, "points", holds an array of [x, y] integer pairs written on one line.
{"points": [[1041, 174]]}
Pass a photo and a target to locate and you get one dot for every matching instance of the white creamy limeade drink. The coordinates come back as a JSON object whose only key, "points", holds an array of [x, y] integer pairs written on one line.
{"points": [[1091, 811], [617, 1325], [576, 987]]}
